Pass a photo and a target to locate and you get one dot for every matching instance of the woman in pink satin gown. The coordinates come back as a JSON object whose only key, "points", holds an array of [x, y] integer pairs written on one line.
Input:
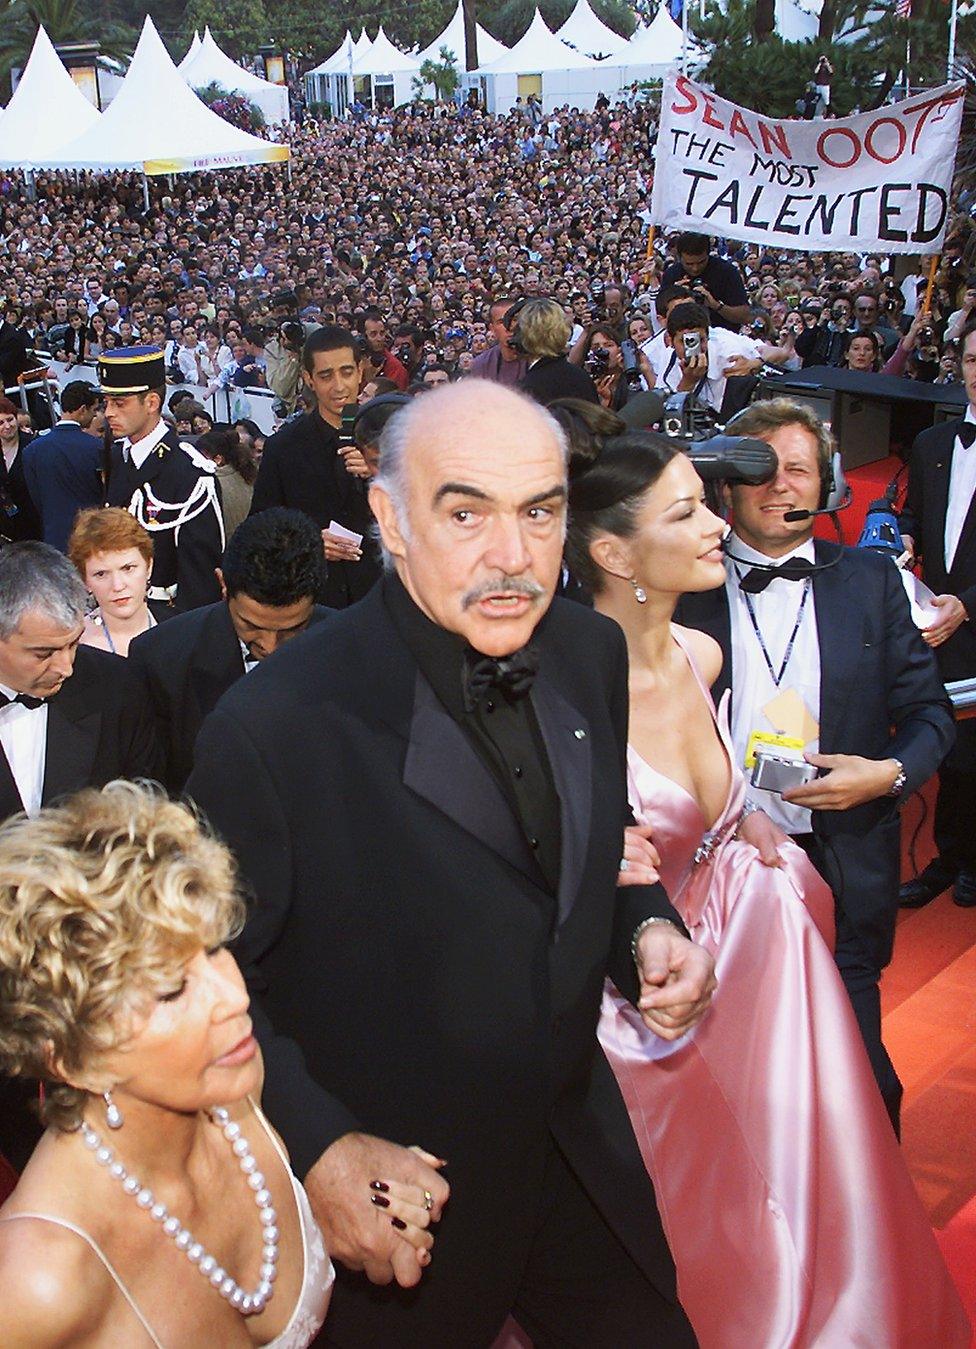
{"points": [[789, 1210]]}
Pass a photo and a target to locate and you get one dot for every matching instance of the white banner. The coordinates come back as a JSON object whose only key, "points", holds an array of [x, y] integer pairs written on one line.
{"points": [[880, 180]]}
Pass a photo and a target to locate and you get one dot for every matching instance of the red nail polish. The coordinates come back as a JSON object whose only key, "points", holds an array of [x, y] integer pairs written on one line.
{"points": [[380, 1185], [379, 1200], [399, 1224]]}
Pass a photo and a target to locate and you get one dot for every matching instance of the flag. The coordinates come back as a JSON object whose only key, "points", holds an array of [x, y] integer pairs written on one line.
{"points": [[903, 9], [675, 8]]}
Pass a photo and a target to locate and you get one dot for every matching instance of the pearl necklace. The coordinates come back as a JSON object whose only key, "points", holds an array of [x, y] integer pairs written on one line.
{"points": [[248, 1304]]}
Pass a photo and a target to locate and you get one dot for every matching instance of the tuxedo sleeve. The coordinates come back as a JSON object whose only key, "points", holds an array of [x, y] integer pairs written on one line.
{"points": [[918, 704], [913, 512], [232, 785], [634, 902], [140, 749]]}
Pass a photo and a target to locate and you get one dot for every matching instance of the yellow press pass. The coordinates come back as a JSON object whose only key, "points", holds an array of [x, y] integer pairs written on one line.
{"points": [[770, 738]]}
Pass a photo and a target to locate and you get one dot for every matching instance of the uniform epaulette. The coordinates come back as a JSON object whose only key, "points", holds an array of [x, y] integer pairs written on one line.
{"points": [[200, 460]]}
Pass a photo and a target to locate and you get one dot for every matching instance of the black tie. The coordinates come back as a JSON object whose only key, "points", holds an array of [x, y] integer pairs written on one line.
{"points": [[24, 698], [797, 569], [513, 674], [967, 434]]}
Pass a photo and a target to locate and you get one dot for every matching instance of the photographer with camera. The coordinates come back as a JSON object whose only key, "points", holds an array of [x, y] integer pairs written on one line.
{"points": [[380, 360], [618, 369], [501, 362], [716, 284], [283, 363], [825, 342], [695, 363], [540, 331], [802, 625]]}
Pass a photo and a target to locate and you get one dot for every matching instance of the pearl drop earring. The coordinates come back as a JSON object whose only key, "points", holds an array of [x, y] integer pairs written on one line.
{"points": [[640, 594], [113, 1115]]}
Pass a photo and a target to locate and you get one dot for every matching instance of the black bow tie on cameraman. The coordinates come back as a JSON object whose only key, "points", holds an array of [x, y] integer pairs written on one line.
{"points": [[513, 675], [796, 569], [25, 699], [967, 434]]}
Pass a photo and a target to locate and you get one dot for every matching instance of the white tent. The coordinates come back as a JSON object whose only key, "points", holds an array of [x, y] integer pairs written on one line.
{"points": [[191, 51], [211, 65], [362, 43], [659, 45], [584, 32], [537, 50], [539, 64], [156, 124], [489, 48], [383, 74], [45, 105], [339, 60]]}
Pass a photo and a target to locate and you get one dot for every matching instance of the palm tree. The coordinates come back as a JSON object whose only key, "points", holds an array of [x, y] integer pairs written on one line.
{"points": [[64, 22]]}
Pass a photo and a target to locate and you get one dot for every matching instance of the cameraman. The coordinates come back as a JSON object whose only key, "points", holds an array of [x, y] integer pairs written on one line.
{"points": [[283, 357], [380, 360], [825, 343], [716, 284], [616, 380], [542, 331], [695, 364]]}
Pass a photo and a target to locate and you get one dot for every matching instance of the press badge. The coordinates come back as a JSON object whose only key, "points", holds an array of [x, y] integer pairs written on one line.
{"points": [[794, 726], [770, 738]]}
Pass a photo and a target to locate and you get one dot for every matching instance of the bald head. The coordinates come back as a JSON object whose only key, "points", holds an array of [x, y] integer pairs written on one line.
{"points": [[471, 505]]}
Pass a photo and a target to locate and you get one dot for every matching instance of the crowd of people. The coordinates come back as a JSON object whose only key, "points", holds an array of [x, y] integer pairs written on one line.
{"points": [[461, 940]]}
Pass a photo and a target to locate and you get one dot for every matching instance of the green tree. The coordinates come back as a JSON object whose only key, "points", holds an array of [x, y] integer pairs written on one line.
{"points": [[64, 21], [239, 27], [442, 74]]}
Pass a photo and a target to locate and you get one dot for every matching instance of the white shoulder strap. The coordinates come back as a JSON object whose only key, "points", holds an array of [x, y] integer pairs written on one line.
{"points": [[80, 1232]]}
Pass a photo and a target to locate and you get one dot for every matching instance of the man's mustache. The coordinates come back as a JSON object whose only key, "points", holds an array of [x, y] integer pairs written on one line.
{"points": [[511, 585]]}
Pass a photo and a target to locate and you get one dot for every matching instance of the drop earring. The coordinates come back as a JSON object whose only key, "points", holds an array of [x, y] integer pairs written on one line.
{"points": [[640, 594], [113, 1115]]}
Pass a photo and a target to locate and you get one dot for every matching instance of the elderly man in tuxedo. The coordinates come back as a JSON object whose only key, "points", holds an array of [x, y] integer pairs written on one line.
{"points": [[70, 717], [939, 521], [428, 797]]}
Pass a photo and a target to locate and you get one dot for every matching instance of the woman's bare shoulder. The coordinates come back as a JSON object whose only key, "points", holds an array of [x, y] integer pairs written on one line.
{"points": [[54, 1288], [704, 651]]}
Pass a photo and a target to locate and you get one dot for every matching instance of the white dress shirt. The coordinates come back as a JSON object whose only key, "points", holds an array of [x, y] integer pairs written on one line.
{"points": [[142, 449], [776, 609], [250, 662], [962, 485], [722, 345], [23, 739]]}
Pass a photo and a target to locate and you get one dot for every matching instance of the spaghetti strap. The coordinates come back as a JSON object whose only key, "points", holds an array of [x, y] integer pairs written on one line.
{"points": [[80, 1232], [259, 1113]]}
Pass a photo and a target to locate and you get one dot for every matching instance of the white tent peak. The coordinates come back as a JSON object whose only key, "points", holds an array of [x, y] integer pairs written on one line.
{"points": [[660, 43], [156, 124], [210, 65], [362, 43], [338, 62], [585, 31], [538, 50], [489, 48], [191, 51], [383, 58], [45, 102]]}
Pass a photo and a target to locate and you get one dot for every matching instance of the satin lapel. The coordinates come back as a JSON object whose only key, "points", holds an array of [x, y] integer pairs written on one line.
{"points": [[840, 625], [10, 802], [566, 733], [71, 744], [937, 491], [444, 768]]}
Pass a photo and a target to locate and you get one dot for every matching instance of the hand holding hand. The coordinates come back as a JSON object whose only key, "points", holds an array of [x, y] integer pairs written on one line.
{"points": [[851, 780], [676, 979], [952, 614], [370, 1199], [642, 858]]}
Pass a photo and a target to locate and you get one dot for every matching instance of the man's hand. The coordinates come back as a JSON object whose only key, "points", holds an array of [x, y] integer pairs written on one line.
{"points": [[741, 365], [642, 858], [676, 979], [952, 614], [355, 463], [370, 1199], [340, 550], [758, 830], [850, 780], [704, 296], [692, 371]]}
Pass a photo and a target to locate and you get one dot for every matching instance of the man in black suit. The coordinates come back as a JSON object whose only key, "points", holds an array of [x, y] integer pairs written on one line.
{"points": [[168, 486], [304, 465], [62, 468], [428, 798], [70, 717], [825, 664], [270, 574], [939, 521], [541, 330]]}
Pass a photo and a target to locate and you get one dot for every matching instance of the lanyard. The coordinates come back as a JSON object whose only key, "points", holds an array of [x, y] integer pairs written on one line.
{"points": [[776, 678]]}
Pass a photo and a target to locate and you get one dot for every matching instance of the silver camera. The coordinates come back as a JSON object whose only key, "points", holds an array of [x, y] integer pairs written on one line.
{"points": [[777, 773]]}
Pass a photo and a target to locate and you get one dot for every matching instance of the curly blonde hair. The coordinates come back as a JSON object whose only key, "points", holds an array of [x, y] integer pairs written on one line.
{"points": [[102, 901]]}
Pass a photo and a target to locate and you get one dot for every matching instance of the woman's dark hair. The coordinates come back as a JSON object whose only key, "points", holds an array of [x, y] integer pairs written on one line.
{"points": [[226, 443], [608, 477]]}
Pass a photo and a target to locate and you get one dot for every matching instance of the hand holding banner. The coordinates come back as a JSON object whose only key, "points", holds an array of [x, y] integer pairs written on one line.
{"points": [[878, 180]]}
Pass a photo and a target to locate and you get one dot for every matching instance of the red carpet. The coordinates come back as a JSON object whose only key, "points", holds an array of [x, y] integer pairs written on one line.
{"points": [[958, 1243]]}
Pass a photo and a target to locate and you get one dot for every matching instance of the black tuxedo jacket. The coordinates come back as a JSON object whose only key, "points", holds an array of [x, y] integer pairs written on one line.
{"points": [[880, 697], [301, 467], [421, 982], [19, 518], [185, 551], [924, 518], [98, 728], [186, 666], [554, 377]]}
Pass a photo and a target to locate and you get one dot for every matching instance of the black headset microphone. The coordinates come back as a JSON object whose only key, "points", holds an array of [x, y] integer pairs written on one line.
{"points": [[836, 496]]}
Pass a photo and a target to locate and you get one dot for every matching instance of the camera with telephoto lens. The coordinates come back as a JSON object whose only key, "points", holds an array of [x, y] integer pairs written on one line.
{"points": [[403, 353], [631, 359], [597, 363]]}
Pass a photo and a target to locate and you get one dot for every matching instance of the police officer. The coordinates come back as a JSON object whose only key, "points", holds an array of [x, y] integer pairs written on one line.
{"points": [[165, 483]]}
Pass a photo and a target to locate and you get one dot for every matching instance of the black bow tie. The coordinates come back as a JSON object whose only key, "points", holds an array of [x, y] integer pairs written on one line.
{"points": [[512, 675], [967, 434], [25, 699], [797, 569]]}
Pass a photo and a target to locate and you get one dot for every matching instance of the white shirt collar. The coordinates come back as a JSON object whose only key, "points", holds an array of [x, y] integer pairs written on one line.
{"points": [[744, 553], [970, 414], [142, 449]]}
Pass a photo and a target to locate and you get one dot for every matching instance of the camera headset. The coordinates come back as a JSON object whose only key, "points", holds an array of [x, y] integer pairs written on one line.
{"points": [[510, 321]]}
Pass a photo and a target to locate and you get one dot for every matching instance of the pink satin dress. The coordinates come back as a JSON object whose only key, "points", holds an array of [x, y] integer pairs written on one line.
{"points": [[787, 1205]]}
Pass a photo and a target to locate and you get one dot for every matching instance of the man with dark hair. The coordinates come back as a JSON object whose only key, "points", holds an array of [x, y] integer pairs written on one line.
{"points": [[271, 572], [501, 362], [62, 468], [408, 345], [381, 359], [304, 464], [717, 284], [866, 315], [170, 489]]}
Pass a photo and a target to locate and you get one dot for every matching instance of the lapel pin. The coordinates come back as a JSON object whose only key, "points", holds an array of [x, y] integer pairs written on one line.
{"points": [[580, 733]]}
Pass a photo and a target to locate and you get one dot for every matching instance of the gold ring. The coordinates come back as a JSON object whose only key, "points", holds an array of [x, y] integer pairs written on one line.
{"points": [[428, 1200]]}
